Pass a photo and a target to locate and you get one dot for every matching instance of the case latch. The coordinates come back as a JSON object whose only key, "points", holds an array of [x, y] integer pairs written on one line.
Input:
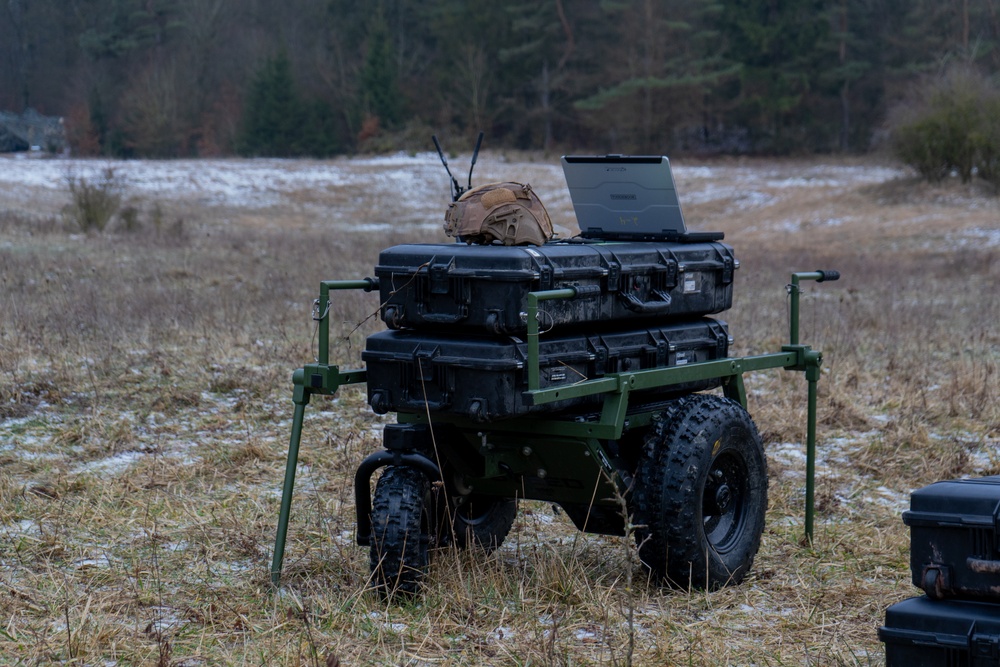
{"points": [[986, 646], [614, 276], [438, 273], [728, 267]]}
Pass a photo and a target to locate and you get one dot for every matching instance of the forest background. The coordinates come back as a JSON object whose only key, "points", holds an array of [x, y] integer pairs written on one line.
{"points": [[169, 78]]}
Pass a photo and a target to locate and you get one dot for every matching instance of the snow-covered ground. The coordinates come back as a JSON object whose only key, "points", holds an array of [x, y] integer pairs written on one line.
{"points": [[378, 195], [257, 183], [409, 189], [265, 182]]}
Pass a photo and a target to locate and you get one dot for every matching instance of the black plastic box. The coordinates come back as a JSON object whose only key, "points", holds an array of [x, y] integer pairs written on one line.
{"points": [[483, 288], [955, 538], [921, 632], [482, 377]]}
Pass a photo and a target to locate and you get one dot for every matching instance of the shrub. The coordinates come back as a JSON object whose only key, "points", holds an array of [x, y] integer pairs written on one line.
{"points": [[950, 123], [94, 202], [987, 142]]}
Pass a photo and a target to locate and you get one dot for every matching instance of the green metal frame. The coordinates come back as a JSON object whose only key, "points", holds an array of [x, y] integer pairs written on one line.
{"points": [[322, 377]]}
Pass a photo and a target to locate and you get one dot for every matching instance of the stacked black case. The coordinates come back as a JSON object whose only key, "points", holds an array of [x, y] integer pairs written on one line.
{"points": [[955, 539], [921, 632], [457, 321], [483, 377], [482, 289], [955, 560]]}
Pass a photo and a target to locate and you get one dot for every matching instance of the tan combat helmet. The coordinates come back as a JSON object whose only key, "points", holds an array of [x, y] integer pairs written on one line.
{"points": [[507, 212]]}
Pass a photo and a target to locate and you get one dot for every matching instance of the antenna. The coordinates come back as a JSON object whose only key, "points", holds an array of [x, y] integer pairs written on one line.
{"points": [[456, 189], [475, 155]]}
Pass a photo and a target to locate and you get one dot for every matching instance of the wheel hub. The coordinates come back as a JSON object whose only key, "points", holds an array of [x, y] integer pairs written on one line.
{"points": [[719, 496], [723, 497], [723, 506]]}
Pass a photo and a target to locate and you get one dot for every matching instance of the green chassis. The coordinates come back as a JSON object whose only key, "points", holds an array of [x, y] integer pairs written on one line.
{"points": [[567, 455]]}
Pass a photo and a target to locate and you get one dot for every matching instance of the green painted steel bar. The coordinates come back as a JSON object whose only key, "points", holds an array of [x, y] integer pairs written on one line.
{"points": [[794, 291], [616, 407], [322, 310], [810, 361], [811, 459], [704, 370], [604, 385], [313, 378], [286, 491], [616, 388], [322, 315], [793, 315], [735, 390], [658, 377], [533, 299], [309, 380]]}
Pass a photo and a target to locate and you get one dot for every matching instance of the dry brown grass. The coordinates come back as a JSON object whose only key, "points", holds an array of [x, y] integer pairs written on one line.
{"points": [[145, 410]]}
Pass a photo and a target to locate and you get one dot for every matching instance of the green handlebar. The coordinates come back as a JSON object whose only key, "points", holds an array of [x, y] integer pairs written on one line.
{"points": [[532, 315], [812, 368], [793, 291]]}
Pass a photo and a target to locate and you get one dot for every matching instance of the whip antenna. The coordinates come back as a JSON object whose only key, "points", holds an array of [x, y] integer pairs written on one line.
{"points": [[475, 155], [456, 189]]}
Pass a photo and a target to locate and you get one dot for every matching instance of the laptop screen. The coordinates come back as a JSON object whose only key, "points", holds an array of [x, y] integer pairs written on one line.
{"points": [[624, 197]]}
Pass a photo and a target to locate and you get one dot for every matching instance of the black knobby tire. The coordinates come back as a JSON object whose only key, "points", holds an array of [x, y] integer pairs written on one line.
{"points": [[402, 530], [483, 522], [701, 493]]}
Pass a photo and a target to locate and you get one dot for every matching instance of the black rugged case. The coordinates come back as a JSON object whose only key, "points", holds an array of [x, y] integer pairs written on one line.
{"points": [[955, 538], [483, 288], [921, 632], [482, 377]]}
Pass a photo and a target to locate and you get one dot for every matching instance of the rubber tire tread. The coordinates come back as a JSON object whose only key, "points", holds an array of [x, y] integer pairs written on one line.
{"points": [[399, 552], [491, 530], [667, 500]]}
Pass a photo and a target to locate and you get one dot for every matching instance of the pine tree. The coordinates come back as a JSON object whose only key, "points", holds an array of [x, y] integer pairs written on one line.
{"points": [[541, 45], [779, 46], [469, 87], [273, 115], [663, 67], [379, 89]]}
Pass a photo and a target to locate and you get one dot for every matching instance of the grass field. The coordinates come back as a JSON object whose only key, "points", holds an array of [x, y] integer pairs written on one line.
{"points": [[145, 407]]}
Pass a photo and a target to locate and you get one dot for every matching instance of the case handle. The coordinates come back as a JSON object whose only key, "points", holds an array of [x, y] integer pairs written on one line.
{"points": [[446, 318], [981, 566], [433, 406], [659, 307]]}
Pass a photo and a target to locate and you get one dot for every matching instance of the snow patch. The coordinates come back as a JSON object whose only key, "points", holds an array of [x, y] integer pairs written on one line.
{"points": [[981, 237], [111, 465], [87, 563], [251, 183]]}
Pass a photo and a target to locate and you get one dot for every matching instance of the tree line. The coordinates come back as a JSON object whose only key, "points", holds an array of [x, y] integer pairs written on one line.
{"points": [[168, 78]]}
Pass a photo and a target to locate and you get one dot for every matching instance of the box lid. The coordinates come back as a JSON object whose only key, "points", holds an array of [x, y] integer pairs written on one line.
{"points": [[973, 503]]}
